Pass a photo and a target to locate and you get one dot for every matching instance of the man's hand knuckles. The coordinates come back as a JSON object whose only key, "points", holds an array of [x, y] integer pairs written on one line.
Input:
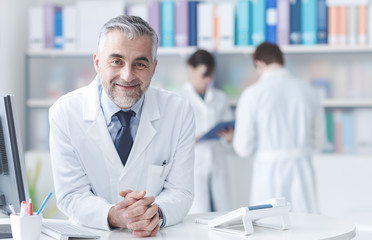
{"points": [[142, 234]]}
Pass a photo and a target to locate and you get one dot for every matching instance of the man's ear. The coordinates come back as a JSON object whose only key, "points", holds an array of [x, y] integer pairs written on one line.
{"points": [[155, 64], [259, 63], [260, 66], [96, 62]]}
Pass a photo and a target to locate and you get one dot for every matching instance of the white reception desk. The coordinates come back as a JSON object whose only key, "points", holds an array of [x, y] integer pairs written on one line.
{"points": [[304, 226]]}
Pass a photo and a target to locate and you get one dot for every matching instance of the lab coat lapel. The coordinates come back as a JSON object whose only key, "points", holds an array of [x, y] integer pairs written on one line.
{"points": [[96, 125], [195, 99], [145, 133], [209, 96]]}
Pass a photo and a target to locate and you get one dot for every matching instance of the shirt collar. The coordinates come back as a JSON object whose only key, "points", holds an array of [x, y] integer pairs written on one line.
{"points": [[109, 108], [208, 93], [273, 73]]}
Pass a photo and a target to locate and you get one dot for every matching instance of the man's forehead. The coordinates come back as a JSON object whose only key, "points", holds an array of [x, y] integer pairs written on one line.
{"points": [[140, 45]]}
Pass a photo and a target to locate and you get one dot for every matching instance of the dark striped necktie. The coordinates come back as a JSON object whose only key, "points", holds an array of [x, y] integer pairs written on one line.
{"points": [[123, 141]]}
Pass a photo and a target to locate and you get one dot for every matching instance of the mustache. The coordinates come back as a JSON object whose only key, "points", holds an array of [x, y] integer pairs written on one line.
{"points": [[127, 84]]}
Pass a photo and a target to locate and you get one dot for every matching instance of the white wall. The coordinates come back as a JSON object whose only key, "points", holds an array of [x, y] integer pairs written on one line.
{"points": [[13, 44]]}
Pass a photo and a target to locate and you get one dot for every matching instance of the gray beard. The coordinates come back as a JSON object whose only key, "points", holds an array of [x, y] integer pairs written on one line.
{"points": [[124, 100]]}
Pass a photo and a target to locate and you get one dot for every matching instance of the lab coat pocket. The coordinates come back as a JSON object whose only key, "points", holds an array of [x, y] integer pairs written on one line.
{"points": [[155, 179]]}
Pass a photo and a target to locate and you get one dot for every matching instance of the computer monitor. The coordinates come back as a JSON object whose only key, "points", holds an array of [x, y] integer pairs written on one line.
{"points": [[13, 181]]}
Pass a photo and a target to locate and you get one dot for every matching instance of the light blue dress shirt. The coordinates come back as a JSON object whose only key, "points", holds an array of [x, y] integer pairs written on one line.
{"points": [[109, 108]]}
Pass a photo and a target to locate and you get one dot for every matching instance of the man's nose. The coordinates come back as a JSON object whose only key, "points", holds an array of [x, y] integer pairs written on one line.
{"points": [[127, 73]]}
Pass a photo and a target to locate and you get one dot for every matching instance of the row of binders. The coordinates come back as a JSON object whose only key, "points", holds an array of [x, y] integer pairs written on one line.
{"points": [[349, 22], [349, 130], [344, 87], [207, 24]]}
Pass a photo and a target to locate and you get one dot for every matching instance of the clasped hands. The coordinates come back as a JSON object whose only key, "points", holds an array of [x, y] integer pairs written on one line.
{"points": [[136, 212]]}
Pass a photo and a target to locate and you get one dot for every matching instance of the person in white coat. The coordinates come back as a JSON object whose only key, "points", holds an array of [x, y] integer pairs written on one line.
{"points": [[279, 122], [95, 185], [210, 107]]}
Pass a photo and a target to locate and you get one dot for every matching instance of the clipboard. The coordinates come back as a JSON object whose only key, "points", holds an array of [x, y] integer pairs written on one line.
{"points": [[212, 134], [241, 220]]}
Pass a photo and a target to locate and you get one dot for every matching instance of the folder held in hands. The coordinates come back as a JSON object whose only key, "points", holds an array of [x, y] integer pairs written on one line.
{"points": [[212, 134]]}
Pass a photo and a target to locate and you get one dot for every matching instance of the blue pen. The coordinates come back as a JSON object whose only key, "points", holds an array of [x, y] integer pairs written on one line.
{"points": [[256, 207], [44, 203]]}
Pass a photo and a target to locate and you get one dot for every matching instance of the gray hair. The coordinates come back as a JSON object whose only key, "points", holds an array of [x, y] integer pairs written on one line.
{"points": [[133, 27]]}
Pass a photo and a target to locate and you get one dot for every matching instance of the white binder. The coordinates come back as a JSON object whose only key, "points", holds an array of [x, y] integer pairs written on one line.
{"points": [[241, 220]]}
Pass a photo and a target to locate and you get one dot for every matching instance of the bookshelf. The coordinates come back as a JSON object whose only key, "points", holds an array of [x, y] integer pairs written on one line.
{"points": [[234, 67], [341, 67], [183, 52], [289, 49]]}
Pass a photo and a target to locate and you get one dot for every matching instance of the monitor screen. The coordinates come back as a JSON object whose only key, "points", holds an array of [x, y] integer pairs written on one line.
{"points": [[13, 182]]}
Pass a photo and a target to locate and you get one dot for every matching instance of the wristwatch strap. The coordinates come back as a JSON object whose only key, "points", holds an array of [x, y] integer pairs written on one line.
{"points": [[161, 218]]}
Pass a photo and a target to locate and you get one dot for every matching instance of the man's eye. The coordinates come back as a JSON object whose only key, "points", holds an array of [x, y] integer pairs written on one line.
{"points": [[116, 62], [140, 65]]}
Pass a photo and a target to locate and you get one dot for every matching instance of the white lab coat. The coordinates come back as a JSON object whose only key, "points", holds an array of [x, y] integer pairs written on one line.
{"points": [[211, 181], [279, 121], [88, 173]]}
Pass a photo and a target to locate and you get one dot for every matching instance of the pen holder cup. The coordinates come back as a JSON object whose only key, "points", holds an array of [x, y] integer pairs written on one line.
{"points": [[26, 227]]}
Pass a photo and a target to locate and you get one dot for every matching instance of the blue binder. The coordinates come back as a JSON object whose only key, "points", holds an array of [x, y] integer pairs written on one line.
{"points": [[212, 134], [167, 22], [193, 36], [271, 21], [309, 25], [295, 22], [243, 23], [259, 21], [322, 35], [58, 34]]}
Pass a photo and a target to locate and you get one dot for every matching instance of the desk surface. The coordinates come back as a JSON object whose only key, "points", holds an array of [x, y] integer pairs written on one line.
{"points": [[304, 226]]}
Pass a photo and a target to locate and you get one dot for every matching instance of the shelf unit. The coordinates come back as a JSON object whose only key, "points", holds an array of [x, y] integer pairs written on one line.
{"points": [[347, 103], [233, 65], [289, 49], [185, 51]]}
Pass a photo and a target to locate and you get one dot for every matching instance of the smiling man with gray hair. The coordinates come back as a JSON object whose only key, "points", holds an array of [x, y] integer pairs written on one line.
{"points": [[122, 151]]}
